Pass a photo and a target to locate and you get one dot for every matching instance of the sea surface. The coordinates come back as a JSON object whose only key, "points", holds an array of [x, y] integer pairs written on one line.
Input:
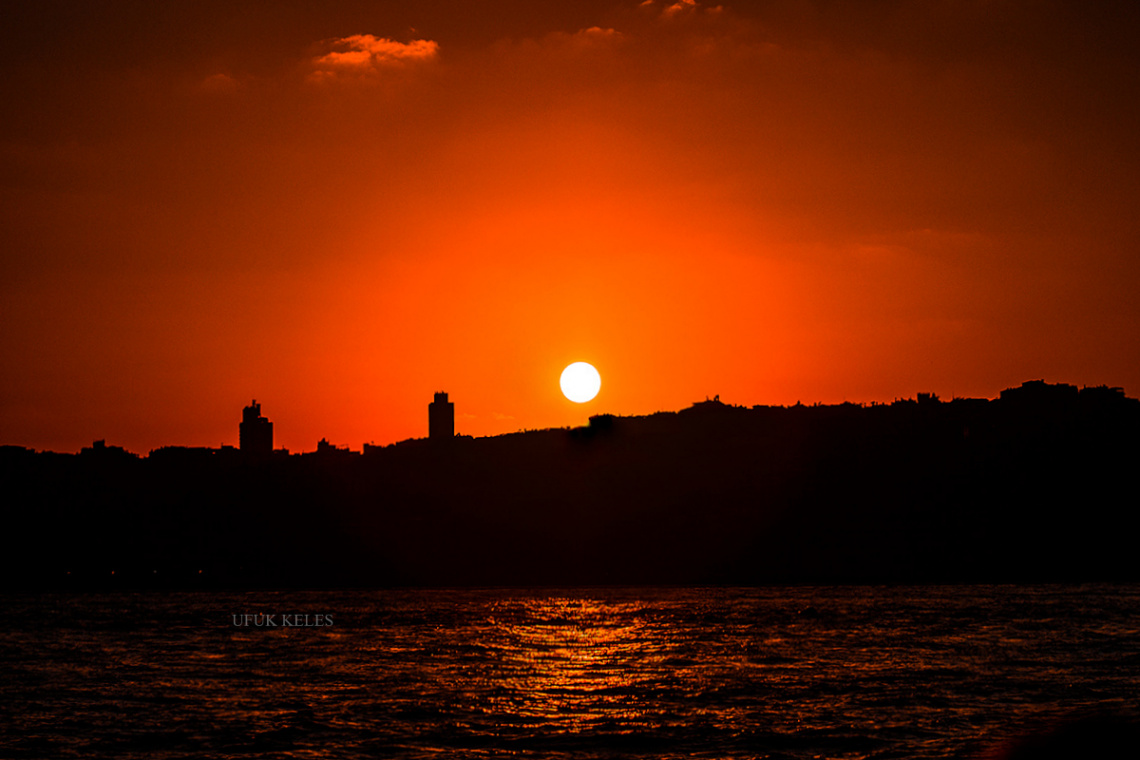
{"points": [[799, 672]]}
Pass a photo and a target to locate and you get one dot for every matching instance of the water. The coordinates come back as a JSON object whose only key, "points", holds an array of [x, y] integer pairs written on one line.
{"points": [[581, 673]]}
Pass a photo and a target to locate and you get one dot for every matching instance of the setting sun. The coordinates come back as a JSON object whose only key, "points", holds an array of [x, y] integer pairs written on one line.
{"points": [[580, 382]]}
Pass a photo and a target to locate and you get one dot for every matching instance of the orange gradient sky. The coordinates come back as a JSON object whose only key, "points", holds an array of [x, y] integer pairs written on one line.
{"points": [[341, 208]]}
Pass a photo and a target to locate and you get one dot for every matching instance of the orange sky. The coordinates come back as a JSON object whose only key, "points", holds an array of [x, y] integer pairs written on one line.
{"points": [[341, 208]]}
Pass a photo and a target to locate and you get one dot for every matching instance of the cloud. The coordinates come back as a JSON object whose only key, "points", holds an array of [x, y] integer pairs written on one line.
{"points": [[219, 84], [680, 7], [364, 54], [592, 38], [597, 34], [683, 8]]}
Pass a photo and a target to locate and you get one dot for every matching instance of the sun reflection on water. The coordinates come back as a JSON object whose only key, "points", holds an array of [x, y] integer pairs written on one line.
{"points": [[572, 662], [578, 674]]}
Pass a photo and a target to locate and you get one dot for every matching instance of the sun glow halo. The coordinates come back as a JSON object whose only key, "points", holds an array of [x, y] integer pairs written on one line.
{"points": [[580, 382]]}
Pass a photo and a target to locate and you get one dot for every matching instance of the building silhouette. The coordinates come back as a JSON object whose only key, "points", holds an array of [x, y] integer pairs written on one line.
{"points": [[441, 418], [255, 433], [1038, 393], [100, 450]]}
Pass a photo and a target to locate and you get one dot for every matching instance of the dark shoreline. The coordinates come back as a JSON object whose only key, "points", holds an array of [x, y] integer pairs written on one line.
{"points": [[1037, 486]]}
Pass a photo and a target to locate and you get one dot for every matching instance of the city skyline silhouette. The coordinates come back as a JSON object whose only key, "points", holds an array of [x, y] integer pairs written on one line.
{"points": [[1024, 487], [255, 431]]}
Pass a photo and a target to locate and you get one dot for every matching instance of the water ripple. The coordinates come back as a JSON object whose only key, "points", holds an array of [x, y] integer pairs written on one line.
{"points": [[586, 673]]}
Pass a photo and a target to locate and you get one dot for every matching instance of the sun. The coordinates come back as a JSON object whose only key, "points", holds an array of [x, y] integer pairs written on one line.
{"points": [[580, 382]]}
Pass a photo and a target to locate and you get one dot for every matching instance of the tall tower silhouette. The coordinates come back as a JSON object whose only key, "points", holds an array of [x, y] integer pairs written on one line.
{"points": [[441, 418], [255, 433]]}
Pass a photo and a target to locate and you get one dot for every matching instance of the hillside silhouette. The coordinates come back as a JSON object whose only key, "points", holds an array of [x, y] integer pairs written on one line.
{"points": [[1037, 485]]}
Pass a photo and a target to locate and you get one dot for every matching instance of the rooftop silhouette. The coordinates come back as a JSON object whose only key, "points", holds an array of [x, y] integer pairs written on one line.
{"points": [[441, 418], [255, 432]]}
